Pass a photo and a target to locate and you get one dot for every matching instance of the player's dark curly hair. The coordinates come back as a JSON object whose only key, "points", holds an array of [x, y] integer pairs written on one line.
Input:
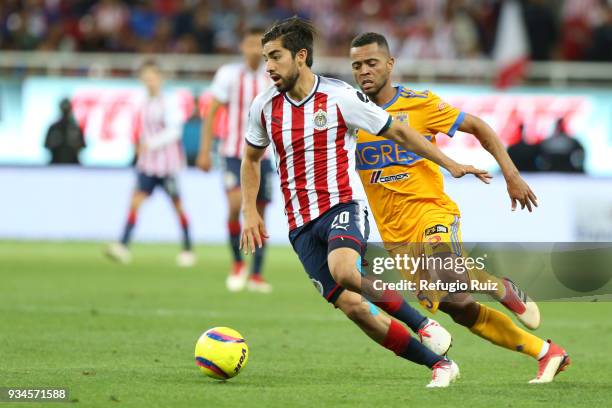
{"points": [[370, 38], [295, 33]]}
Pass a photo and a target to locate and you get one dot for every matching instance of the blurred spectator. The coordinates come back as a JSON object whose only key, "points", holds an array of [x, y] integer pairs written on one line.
{"points": [[191, 133], [601, 49], [202, 31], [465, 31], [541, 29], [561, 152], [64, 138], [522, 153], [143, 19], [429, 42], [577, 20]]}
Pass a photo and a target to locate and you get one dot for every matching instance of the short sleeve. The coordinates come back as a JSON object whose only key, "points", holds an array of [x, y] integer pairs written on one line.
{"points": [[257, 135], [442, 117], [359, 112], [220, 86]]}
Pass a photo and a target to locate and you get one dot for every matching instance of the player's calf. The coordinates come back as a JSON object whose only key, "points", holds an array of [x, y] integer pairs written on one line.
{"points": [[395, 337], [462, 308]]}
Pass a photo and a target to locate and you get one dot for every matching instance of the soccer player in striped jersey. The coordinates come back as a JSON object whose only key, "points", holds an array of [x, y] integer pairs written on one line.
{"points": [[160, 158], [311, 122], [236, 85], [415, 209]]}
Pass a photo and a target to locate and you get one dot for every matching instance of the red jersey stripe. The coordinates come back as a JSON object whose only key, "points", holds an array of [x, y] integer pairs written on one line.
{"points": [[277, 138], [320, 157], [342, 161]]}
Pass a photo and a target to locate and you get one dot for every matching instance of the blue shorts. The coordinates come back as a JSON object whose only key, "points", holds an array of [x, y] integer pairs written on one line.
{"points": [[147, 184], [342, 226], [231, 177]]}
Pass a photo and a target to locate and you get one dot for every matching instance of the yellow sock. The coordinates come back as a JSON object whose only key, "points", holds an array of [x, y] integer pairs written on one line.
{"points": [[500, 330]]}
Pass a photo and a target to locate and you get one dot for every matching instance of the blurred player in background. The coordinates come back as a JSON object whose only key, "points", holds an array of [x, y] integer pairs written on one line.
{"points": [[236, 85], [311, 121], [160, 158], [406, 194]]}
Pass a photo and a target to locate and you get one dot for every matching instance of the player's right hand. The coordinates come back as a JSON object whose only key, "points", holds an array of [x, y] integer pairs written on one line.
{"points": [[461, 170], [254, 232], [203, 161]]}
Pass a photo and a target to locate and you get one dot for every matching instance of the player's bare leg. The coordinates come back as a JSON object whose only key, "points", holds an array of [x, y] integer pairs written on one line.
{"points": [[238, 275], [256, 282], [119, 251], [392, 335], [343, 267], [500, 330], [186, 258]]}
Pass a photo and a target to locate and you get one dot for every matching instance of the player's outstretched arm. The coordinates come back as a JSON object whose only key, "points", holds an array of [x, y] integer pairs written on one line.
{"points": [[204, 159], [518, 189], [253, 228], [411, 140]]}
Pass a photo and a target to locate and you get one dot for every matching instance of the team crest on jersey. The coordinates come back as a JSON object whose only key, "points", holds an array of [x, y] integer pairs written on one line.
{"points": [[401, 117], [320, 120]]}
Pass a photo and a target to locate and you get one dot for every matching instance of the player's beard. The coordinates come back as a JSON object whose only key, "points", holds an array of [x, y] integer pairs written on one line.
{"points": [[288, 83], [372, 93]]}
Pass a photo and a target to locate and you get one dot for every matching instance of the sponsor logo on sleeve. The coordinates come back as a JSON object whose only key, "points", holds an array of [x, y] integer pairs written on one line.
{"points": [[436, 229]]}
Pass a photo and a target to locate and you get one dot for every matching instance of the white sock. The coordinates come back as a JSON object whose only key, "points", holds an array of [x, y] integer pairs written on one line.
{"points": [[544, 350]]}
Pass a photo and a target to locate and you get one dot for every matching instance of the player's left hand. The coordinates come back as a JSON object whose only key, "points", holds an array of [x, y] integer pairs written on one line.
{"points": [[254, 232], [142, 148], [461, 170], [519, 191]]}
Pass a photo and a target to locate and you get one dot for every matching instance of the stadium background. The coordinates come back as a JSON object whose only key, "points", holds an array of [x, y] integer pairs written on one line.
{"points": [[88, 51]]}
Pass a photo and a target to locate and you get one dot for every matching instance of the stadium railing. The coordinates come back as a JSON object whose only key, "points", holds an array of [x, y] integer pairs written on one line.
{"points": [[553, 74]]}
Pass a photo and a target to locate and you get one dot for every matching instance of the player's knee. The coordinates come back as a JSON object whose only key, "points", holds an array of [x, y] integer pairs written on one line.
{"points": [[345, 275]]}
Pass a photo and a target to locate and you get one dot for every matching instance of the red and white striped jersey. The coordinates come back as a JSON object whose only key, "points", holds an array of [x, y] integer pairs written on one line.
{"points": [[314, 142], [236, 85], [159, 131]]}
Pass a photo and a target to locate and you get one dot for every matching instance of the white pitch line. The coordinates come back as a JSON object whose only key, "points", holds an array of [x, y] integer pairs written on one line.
{"points": [[87, 310]]}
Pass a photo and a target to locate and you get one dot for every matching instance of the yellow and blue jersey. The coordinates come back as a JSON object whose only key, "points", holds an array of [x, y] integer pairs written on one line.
{"points": [[403, 189]]}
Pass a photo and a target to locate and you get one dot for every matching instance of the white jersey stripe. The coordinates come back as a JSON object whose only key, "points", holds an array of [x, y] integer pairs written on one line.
{"points": [[310, 159], [289, 154], [332, 169]]}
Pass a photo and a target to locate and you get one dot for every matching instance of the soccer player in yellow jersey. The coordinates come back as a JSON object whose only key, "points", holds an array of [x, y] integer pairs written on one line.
{"points": [[407, 198]]}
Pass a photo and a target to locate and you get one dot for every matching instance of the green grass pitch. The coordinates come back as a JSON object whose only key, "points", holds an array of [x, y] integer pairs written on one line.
{"points": [[124, 336]]}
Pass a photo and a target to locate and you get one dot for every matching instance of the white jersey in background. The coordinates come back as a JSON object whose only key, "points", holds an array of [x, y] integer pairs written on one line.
{"points": [[159, 129], [236, 85]]}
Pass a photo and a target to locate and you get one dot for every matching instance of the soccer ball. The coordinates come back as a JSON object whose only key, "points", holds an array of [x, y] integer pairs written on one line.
{"points": [[221, 353]]}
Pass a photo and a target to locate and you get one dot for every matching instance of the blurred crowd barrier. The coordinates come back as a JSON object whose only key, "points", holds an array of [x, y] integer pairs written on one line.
{"points": [[105, 110]]}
